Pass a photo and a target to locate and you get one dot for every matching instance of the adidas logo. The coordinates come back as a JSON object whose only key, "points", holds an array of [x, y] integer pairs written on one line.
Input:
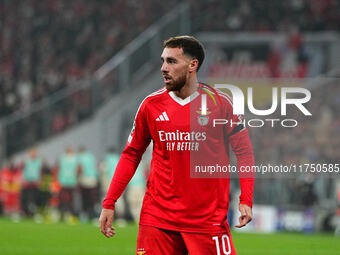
{"points": [[163, 117]]}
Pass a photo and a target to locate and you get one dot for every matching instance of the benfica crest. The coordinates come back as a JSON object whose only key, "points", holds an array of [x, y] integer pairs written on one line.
{"points": [[203, 120]]}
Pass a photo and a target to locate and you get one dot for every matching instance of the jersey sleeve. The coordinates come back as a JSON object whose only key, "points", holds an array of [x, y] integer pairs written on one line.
{"points": [[241, 145], [138, 141], [239, 140]]}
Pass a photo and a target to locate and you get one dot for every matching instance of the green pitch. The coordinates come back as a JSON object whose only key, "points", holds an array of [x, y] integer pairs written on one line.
{"points": [[27, 237]]}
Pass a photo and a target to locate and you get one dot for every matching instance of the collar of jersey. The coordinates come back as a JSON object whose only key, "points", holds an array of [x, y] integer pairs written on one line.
{"points": [[185, 100]]}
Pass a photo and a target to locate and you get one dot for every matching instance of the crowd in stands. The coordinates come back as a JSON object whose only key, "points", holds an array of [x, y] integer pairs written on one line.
{"points": [[45, 46], [71, 190], [315, 140], [265, 16]]}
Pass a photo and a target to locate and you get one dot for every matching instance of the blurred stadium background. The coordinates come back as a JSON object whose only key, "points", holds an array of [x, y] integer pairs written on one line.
{"points": [[72, 74]]}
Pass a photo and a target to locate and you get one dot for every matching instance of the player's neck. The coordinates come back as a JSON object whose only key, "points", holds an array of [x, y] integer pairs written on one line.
{"points": [[188, 89]]}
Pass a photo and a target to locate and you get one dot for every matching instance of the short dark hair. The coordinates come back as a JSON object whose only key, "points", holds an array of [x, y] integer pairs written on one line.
{"points": [[190, 46]]}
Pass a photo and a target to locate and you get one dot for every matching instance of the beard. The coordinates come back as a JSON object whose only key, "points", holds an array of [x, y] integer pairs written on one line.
{"points": [[176, 85]]}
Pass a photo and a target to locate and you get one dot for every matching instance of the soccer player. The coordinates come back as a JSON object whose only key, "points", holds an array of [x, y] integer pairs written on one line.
{"points": [[182, 214]]}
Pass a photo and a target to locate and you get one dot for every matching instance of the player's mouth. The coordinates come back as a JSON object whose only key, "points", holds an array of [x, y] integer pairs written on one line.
{"points": [[167, 79]]}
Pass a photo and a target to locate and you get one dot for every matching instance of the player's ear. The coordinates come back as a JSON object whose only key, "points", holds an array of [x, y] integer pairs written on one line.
{"points": [[193, 65]]}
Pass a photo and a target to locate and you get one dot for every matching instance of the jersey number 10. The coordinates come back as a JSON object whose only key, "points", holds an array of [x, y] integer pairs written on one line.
{"points": [[224, 240]]}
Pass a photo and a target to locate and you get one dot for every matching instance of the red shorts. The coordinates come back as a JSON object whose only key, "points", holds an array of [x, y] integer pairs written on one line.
{"points": [[156, 241]]}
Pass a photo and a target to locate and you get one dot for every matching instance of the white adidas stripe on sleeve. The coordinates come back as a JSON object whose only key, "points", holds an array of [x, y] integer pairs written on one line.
{"points": [[165, 116]]}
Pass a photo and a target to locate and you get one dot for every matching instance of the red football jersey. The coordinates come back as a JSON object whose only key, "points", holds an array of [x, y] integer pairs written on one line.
{"points": [[181, 194]]}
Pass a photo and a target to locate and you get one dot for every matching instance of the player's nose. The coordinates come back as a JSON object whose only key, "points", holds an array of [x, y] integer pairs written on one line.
{"points": [[164, 68]]}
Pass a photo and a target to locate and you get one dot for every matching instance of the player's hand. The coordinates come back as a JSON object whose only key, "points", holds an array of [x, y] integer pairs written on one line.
{"points": [[105, 221], [246, 215]]}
